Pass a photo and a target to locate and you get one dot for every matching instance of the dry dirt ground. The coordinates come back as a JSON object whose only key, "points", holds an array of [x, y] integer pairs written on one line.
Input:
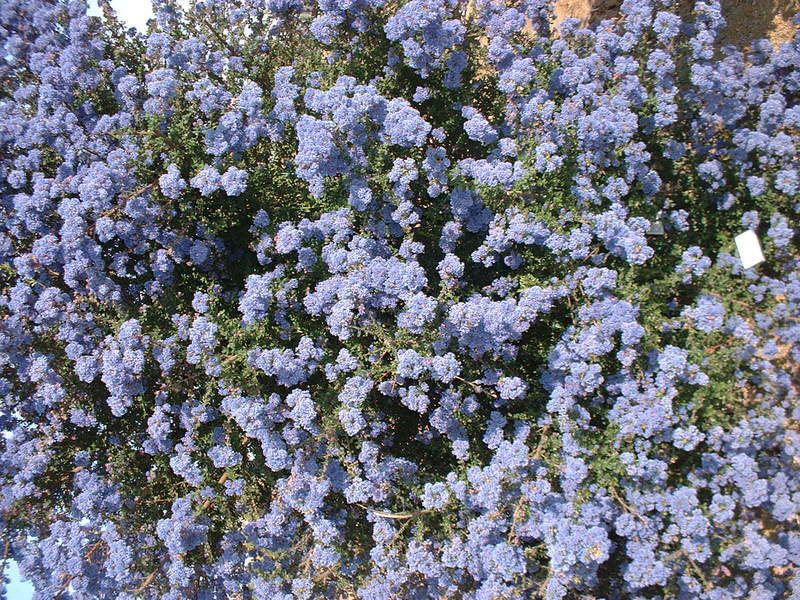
{"points": [[747, 20]]}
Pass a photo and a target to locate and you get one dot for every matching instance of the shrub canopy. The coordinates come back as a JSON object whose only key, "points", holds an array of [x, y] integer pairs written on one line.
{"points": [[397, 300]]}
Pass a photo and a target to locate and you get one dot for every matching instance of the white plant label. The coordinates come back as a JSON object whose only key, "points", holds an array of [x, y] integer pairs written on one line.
{"points": [[749, 249], [656, 228], [657, 225]]}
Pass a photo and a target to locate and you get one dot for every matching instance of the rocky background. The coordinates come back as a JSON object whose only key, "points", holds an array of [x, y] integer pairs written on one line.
{"points": [[747, 20]]}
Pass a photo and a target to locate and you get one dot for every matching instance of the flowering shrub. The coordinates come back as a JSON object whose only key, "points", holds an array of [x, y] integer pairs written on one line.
{"points": [[397, 300]]}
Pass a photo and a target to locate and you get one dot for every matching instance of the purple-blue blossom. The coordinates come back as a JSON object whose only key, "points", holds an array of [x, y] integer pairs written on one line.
{"points": [[707, 314], [234, 181], [404, 125], [172, 185], [207, 181]]}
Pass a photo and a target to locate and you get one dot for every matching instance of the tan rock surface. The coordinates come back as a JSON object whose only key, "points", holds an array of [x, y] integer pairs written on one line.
{"points": [[577, 9], [747, 20]]}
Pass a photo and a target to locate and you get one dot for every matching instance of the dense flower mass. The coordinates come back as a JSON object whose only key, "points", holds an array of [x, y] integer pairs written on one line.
{"points": [[423, 299]]}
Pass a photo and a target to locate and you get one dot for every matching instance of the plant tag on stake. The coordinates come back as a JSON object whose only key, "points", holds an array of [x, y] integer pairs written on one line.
{"points": [[749, 249], [656, 226]]}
